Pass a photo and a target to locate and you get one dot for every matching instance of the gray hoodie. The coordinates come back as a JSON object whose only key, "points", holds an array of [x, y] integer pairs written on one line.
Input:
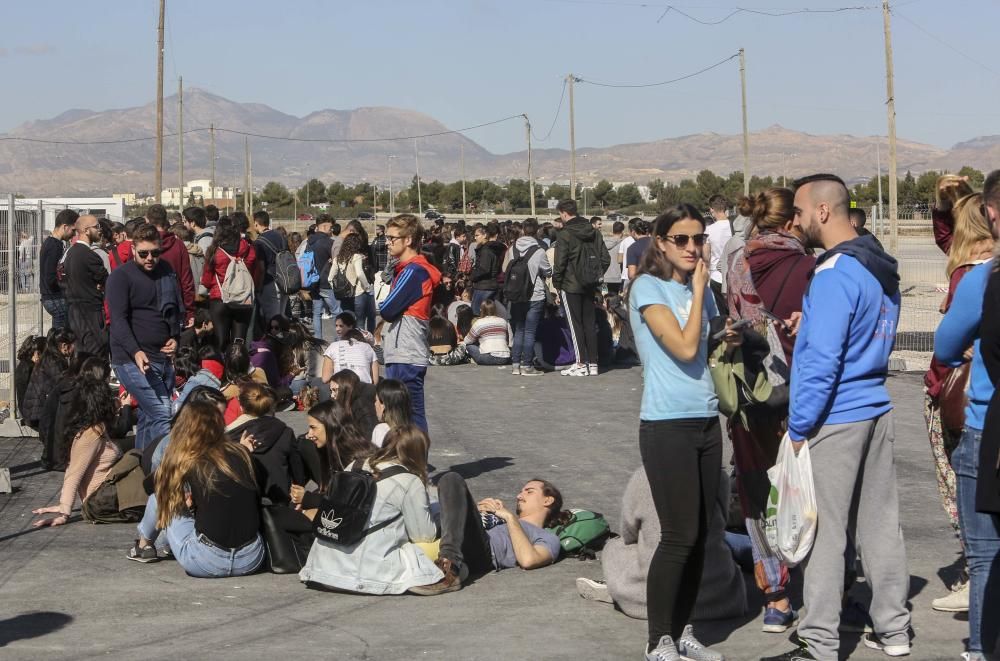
{"points": [[538, 264]]}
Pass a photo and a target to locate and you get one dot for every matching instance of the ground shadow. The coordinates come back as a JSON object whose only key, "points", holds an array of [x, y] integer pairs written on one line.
{"points": [[32, 625], [476, 468], [952, 573]]}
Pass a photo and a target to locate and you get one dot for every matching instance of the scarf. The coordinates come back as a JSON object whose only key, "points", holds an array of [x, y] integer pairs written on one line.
{"points": [[744, 301]]}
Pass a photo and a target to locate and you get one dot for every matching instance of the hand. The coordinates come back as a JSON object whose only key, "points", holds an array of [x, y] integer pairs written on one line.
{"points": [[141, 361], [732, 338], [188, 500], [248, 441], [797, 445], [967, 356], [60, 520], [699, 279], [792, 324], [170, 347], [296, 493], [490, 505], [125, 399]]}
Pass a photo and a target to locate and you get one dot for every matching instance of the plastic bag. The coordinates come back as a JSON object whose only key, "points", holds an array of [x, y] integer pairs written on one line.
{"points": [[790, 524]]}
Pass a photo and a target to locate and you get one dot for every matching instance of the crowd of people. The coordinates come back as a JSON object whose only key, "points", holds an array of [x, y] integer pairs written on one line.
{"points": [[195, 332]]}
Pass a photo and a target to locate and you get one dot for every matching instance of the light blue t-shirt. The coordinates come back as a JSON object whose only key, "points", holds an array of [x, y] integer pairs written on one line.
{"points": [[673, 389]]}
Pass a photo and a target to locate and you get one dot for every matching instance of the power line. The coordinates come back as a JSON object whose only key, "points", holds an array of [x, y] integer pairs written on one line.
{"points": [[556, 118], [947, 45], [665, 82], [761, 12]]}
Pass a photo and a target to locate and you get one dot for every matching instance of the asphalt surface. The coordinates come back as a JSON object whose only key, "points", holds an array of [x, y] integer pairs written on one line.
{"points": [[69, 592]]}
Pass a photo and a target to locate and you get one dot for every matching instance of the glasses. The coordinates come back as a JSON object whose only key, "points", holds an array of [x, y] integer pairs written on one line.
{"points": [[681, 240], [143, 254], [392, 239]]}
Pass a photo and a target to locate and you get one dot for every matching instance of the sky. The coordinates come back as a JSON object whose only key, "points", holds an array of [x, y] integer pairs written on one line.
{"points": [[466, 62]]}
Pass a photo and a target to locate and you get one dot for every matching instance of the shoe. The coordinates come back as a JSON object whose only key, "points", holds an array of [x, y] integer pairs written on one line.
{"points": [[531, 371], [575, 370], [593, 590], [592, 369], [450, 583], [954, 602], [327, 315], [854, 618], [779, 621], [166, 553], [691, 649], [973, 656], [872, 642], [142, 554], [516, 369], [800, 654], [665, 651]]}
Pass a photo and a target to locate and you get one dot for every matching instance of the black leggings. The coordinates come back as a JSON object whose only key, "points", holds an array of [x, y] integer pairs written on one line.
{"points": [[229, 323], [580, 312], [681, 459]]}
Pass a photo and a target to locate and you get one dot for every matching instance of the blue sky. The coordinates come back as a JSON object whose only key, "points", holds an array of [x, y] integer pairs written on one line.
{"points": [[465, 62]]}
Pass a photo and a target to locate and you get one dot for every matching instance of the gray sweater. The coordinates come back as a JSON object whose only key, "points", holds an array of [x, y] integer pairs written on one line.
{"points": [[626, 559]]}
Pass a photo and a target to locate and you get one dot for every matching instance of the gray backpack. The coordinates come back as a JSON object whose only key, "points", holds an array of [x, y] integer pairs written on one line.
{"points": [[236, 288]]}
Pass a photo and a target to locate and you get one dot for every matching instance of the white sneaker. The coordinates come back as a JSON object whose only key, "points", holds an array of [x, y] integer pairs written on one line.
{"points": [[593, 590], [592, 369], [953, 602], [575, 370], [872, 642], [516, 369]]}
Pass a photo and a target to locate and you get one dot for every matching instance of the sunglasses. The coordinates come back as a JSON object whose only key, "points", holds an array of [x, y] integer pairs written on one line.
{"points": [[681, 240], [143, 254]]}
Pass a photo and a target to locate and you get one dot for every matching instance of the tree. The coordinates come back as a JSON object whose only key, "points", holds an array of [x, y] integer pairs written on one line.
{"points": [[628, 194], [557, 191], [655, 189], [314, 192], [709, 184], [518, 194], [602, 193], [907, 191], [976, 177], [275, 195]]}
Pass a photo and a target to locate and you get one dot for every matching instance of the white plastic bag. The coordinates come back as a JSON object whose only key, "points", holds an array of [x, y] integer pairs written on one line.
{"points": [[790, 524]]}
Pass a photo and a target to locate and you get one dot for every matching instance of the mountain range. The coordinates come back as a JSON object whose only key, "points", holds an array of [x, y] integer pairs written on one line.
{"points": [[40, 168]]}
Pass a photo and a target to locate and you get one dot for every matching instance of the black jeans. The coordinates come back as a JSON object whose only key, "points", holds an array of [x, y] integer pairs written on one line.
{"points": [[681, 459], [230, 323], [463, 539], [583, 327]]}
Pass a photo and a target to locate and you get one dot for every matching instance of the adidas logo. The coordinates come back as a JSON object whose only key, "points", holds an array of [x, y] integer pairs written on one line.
{"points": [[330, 520]]}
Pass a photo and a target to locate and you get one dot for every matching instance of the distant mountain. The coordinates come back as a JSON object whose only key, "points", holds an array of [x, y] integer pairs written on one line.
{"points": [[36, 168]]}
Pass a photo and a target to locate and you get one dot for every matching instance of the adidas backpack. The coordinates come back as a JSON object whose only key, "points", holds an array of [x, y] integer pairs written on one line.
{"points": [[347, 506], [236, 288], [518, 283]]}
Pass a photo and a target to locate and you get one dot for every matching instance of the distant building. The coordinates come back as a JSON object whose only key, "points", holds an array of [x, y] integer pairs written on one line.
{"points": [[200, 189], [112, 208], [128, 198]]}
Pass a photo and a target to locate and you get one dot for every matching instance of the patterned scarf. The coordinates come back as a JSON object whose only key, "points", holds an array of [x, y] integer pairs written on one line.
{"points": [[744, 301]]}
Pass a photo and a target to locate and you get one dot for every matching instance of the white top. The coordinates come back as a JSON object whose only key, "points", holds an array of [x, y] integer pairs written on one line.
{"points": [[623, 250], [357, 357], [719, 234], [379, 433]]}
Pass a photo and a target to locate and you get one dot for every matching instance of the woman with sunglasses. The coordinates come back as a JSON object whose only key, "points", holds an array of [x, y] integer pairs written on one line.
{"points": [[680, 441]]}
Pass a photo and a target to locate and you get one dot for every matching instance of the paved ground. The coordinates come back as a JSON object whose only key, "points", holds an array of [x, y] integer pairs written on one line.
{"points": [[69, 593]]}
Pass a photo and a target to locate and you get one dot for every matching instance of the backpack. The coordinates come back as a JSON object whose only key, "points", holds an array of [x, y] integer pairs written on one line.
{"points": [[593, 262], [584, 532], [347, 506], [236, 288], [287, 276], [121, 497], [308, 271], [519, 283], [342, 287]]}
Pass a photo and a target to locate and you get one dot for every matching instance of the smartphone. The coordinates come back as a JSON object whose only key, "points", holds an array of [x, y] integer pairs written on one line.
{"points": [[738, 325], [776, 319]]}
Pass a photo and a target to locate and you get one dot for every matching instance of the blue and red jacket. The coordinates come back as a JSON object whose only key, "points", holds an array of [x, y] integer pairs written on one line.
{"points": [[407, 310]]}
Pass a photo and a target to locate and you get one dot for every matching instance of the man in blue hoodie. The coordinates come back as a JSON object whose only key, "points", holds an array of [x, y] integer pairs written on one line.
{"points": [[841, 407]]}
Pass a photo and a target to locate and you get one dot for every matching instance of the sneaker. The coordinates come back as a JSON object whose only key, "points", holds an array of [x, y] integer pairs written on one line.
{"points": [[167, 553], [954, 602], [450, 583], [592, 369], [327, 315], [872, 642], [779, 621], [593, 590], [691, 649], [973, 656], [142, 554], [854, 618], [531, 371], [575, 370], [516, 369], [665, 651], [800, 654]]}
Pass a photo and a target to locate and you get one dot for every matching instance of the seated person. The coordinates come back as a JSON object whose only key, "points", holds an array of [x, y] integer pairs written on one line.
{"points": [[198, 367], [346, 322], [200, 333], [28, 355], [272, 440], [393, 408], [60, 347], [265, 353], [300, 357], [443, 340], [519, 538], [386, 561], [488, 341], [351, 352], [238, 370], [357, 397]]}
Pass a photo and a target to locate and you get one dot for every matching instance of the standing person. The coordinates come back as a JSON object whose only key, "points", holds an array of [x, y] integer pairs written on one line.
{"points": [[324, 304], [489, 263], [859, 219], [84, 281], [351, 261], [25, 263], [526, 315], [613, 276], [680, 439], [623, 251], [719, 234], [271, 301], [230, 323], [147, 315], [49, 256], [407, 311], [841, 407], [196, 220], [635, 250], [577, 282], [379, 249], [174, 252]]}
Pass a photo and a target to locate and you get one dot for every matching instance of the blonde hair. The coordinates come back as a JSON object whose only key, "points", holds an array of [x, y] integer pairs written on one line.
{"points": [[198, 450], [407, 445], [972, 235], [950, 187], [773, 209]]}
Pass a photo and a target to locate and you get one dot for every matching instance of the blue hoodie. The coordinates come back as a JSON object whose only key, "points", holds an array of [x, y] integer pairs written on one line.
{"points": [[958, 330], [849, 318]]}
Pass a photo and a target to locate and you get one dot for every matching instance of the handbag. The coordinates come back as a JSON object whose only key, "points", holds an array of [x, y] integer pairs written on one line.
{"points": [[287, 550], [952, 398]]}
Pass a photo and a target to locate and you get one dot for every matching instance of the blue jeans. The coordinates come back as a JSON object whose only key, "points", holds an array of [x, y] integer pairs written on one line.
{"points": [[325, 300], [201, 559], [56, 307], [480, 295], [153, 392], [147, 525], [524, 318], [413, 377], [364, 310], [476, 354], [981, 537]]}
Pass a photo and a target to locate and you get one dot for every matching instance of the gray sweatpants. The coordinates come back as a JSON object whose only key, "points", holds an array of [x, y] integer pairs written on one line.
{"points": [[855, 477]]}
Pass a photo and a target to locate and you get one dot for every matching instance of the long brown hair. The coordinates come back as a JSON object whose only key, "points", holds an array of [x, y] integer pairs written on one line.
{"points": [[406, 445], [972, 237], [198, 451], [556, 515]]}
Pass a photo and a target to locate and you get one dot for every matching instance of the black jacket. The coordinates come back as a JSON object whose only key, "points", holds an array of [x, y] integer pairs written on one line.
{"points": [[43, 381], [85, 276], [489, 263], [566, 274], [274, 452], [988, 479], [268, 245], [48, 261], [22, 377]]}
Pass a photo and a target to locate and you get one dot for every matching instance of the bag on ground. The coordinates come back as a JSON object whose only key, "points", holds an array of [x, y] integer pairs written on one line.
{"points": [[236, 288], [585, 531], [121, 497], [790, 523]]}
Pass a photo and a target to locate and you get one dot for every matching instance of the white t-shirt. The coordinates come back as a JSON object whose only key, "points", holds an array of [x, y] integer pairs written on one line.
{"points": [[623, 250], [719, 234], [357, 357]]}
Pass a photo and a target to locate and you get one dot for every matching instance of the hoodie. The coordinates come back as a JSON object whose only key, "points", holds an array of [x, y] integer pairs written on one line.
{"points": [[566, 275], [407, 311], [275, 451], [175, 253], [849, 318], [489, 261]]}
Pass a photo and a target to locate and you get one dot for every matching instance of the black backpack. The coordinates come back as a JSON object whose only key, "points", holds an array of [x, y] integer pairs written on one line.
{"points": [[593, 262], [518, 283], [347, 506], [287, 275]]}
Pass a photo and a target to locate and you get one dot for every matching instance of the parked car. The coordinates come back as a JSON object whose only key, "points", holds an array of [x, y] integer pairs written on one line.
{"points": [[614, 217], [433, 214], [366, 215], [305, 216]]}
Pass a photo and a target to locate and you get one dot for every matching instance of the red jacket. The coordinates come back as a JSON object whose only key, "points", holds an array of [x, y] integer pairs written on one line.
{"points": [[216, 271], [175, 253], [124, 250]]}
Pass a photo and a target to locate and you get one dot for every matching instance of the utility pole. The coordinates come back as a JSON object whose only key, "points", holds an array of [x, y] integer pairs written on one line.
{"points": [[250, 174], [416, 156], [570, 79], [891, 109], [180, 141], [531, 177], [159, 103], [878, 165], [465, 207], [392, 203], [246, 175], [746, 131], [211, 130]]}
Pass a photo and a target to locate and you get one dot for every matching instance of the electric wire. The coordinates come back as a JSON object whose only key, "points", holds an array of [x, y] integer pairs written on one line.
{"points": [[664, 82], [554, 119]]}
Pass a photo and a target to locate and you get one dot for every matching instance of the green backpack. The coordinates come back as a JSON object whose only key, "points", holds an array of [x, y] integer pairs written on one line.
{"points": [[583, 533]]}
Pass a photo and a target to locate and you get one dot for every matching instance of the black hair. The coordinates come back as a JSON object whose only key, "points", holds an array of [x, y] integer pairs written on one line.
{"points": [[991, 191], [529, 227], [858, 215], [66, 217], [201, 317], [237, 363], [360, 230], [492, 229], [93, 404], [463, 320], [202, 394], [618, 227], [262, 218], [718, 203], [32, 344], [568, 206], [344, 443], [241, 222], [197, 216], [212, 213], [653, 261], [53, 360], [186, 362]]}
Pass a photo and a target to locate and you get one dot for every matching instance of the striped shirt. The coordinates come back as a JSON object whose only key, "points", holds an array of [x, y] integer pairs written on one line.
{"points": [[493, 335]]}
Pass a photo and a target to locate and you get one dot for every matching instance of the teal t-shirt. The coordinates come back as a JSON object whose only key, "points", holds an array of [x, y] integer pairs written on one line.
{"points": [[673, 389]]}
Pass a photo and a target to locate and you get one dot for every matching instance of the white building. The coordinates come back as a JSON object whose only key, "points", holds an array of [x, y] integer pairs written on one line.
{"points": [[202, 189], [103, 207]]}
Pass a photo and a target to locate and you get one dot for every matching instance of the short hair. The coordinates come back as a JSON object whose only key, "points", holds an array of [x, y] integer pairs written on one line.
{"points": [[241, 222], [157, 215], [991, 190], [595, 219], [66, 217], [380, 227], [262, 218], [492, 229], [196, 215], [212, 213], [324, 218], [146, 232], [182, 232], [529, 227], [202, 316], [569, 206], [618, 227], [843, 204], [117, 227], [718, 203], [335, 229], [857, 216], [408, 226]]}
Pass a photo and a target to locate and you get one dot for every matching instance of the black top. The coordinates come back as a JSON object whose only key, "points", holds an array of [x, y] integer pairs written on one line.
{"points": [[489, 260], [274, 451], [988, 478], [84, 276], [268, 245], [228, 513], [48, 260], [322, 246], [137, 322]]}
